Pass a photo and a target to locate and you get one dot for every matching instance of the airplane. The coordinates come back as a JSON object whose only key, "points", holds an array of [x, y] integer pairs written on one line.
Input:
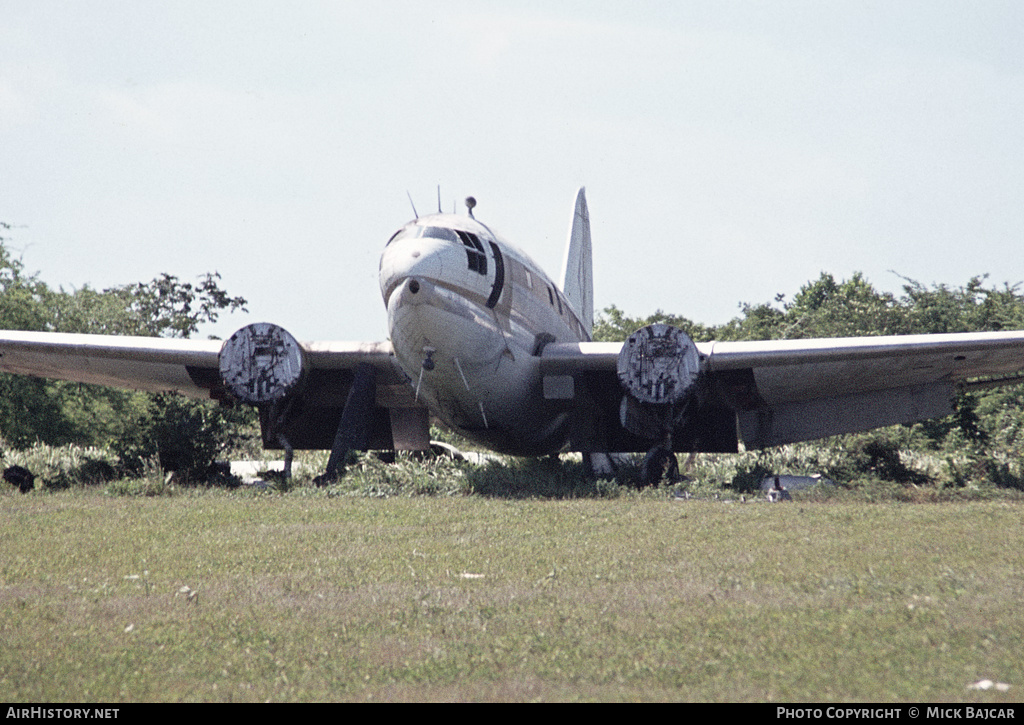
{"points": [[484, 341]]}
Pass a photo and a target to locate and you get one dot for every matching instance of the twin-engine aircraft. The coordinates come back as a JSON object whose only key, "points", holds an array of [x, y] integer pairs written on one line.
{"points": [[486, 342]]}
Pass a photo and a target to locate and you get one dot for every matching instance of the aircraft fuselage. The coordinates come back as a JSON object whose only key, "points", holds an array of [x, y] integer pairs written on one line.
{"points": [[468, 314]]}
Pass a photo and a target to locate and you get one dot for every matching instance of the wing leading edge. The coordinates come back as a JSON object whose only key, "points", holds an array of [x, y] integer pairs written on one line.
{"points": [[784, 391]]}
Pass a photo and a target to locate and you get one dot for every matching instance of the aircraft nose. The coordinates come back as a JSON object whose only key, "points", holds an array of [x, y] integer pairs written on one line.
{"points": [[411, 291], [407, 260]]}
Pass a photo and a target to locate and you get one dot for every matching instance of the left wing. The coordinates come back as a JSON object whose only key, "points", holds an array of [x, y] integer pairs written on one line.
{"points": [[141, 363], [193, 368], [783, 391]]}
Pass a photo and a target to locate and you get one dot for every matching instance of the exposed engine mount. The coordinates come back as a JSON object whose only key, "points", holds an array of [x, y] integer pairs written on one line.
{"points": [[659, 368], [262, 363], [658, 364]]}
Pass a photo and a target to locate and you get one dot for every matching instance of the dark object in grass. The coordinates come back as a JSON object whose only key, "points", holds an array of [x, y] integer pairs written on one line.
{"points": [[777, 492], [660, 463], [21, 477], [793, 483]]}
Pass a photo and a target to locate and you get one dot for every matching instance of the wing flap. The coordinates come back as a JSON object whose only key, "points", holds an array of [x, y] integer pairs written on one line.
{"points": [[827, 416]]}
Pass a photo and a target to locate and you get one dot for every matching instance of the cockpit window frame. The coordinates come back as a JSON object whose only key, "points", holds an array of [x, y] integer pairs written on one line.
{"points": [[476, 254]]}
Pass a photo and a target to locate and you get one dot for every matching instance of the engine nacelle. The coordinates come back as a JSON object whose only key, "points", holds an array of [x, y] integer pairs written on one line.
{"points": [[262, 363], [658, 364]]}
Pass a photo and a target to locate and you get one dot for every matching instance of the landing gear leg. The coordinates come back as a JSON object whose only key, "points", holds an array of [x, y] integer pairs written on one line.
{"points": [[659, 463], [277, 415], [355, 422]]}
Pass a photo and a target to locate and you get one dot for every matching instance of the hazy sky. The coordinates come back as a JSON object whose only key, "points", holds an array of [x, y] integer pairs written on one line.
{"points": [[730, 150]]}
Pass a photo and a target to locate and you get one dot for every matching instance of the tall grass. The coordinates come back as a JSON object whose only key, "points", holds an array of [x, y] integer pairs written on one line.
{"points": [[57, 467], [863, 467]]}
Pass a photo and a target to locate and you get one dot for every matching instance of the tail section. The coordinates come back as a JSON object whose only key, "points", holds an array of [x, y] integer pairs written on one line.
{"points": [[578, 268]]}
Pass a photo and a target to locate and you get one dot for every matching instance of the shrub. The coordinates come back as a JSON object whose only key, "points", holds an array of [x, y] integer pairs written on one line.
{"points": [[186, 436]]}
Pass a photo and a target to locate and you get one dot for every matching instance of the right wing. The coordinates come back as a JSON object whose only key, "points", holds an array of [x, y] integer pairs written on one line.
{"points": [[793, 390], [783, 391]]}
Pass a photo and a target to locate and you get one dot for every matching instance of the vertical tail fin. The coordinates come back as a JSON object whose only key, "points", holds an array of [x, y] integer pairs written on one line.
{"points": [[577, 268]]}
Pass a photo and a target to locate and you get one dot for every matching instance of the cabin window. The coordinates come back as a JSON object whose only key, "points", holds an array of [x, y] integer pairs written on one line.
{"points": [[551, 297], [529, 279]]}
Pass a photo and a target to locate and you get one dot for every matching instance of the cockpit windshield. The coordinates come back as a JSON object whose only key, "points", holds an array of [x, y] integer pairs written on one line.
{"points": [[416, 231]]}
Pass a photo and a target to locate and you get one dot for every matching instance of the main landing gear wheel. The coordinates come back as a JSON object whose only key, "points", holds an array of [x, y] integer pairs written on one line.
{"points": [[659, 463]]}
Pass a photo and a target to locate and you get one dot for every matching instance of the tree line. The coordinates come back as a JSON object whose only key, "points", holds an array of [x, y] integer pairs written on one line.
{"points": [[849, 308]]}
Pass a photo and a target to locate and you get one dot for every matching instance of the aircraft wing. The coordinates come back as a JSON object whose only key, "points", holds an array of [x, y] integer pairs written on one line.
{"points": [[191, 367], [141, 363], [783, 391]]}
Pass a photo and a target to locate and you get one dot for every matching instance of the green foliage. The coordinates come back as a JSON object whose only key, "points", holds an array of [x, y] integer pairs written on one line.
{"points": [[848, 308], [749, 475], [852, 308], [30, 409], [612, 325], [879, 455], [534, 478], [409, 475], [185, 434], [970, 308], [57, 467], [167, 307], [759, 322], [823, 308], [21, 295], [163, 307], [149, 481]]}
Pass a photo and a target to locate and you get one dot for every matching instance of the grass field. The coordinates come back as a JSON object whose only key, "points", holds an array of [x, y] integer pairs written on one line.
{"points": [[314, 595]]}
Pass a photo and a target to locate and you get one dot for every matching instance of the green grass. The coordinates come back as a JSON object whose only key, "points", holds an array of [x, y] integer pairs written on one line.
{"points": [[327, 594]]}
